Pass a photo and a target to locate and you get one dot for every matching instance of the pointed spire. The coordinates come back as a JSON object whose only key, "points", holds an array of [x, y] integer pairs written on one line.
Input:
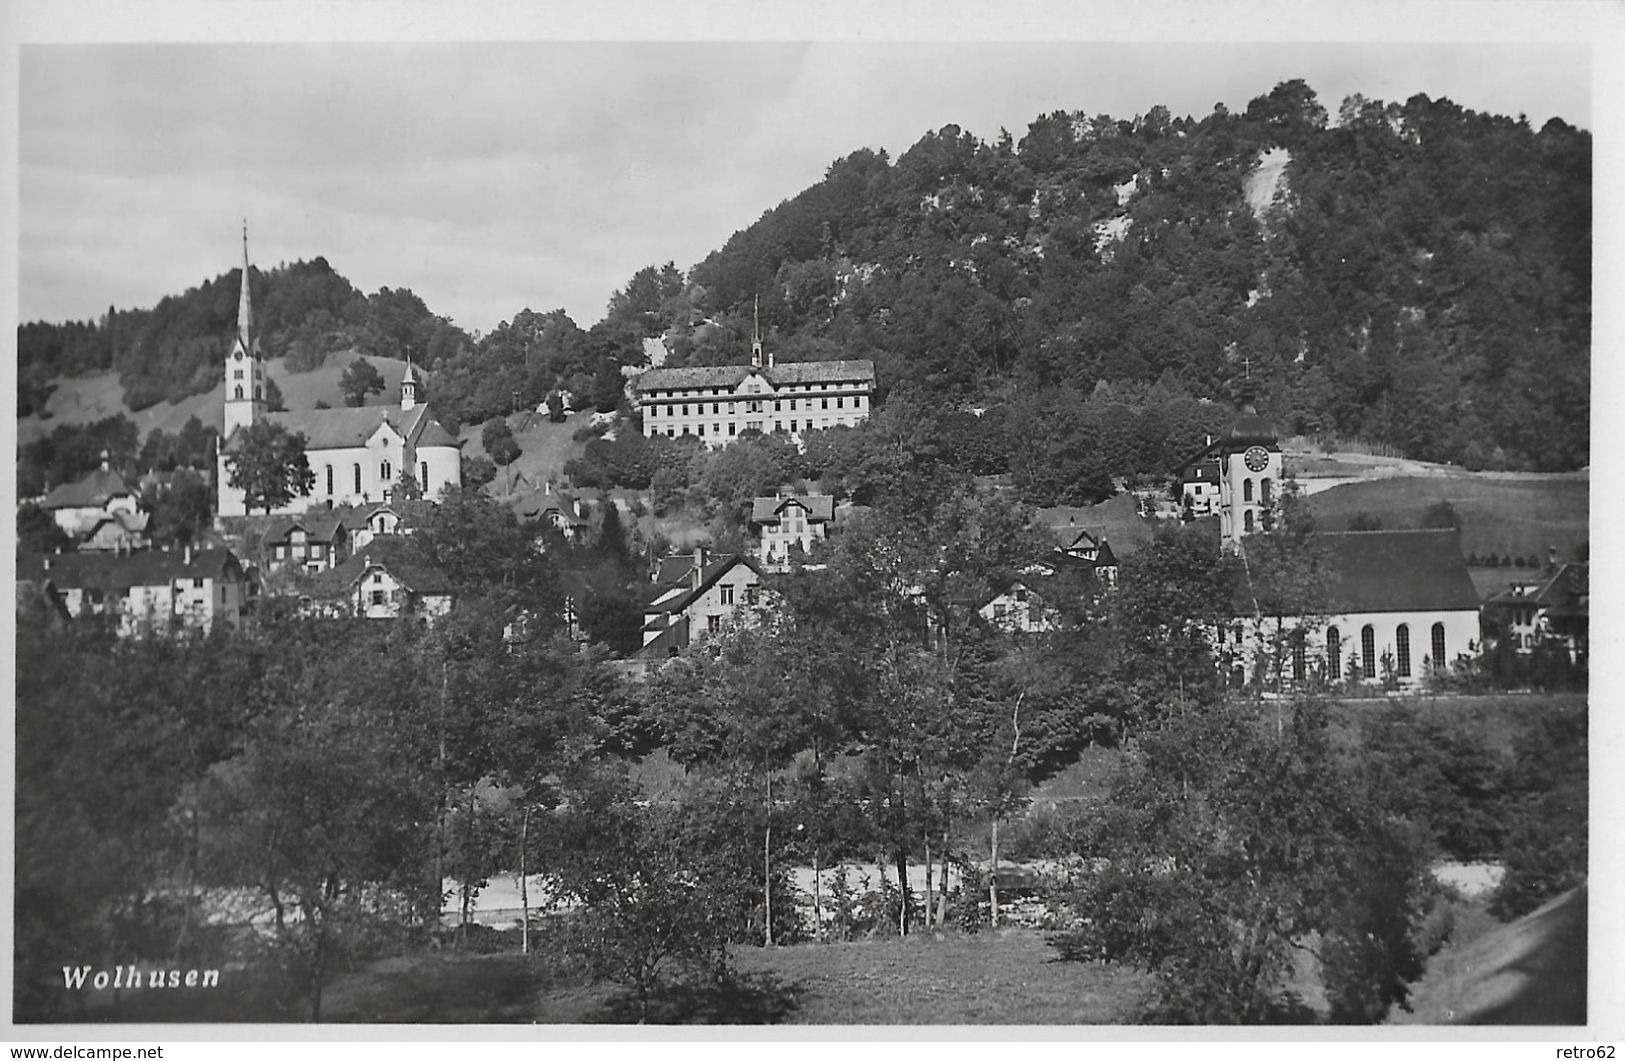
{"points": [[245, 307]]}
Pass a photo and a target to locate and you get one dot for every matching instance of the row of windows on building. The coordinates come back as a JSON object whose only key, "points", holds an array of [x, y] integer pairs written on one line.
{"points": [[1367, 662], [755, 425], [386, 472], [752, 405]]}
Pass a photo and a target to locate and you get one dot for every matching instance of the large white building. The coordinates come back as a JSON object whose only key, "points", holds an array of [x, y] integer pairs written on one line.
{"points": [[358, 455], [718, 403], [1398, 604]]}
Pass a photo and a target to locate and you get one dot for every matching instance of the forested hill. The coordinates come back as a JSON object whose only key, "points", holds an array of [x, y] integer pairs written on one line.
{"points": [[302, 311], [1420, 276], [1412, 274]]}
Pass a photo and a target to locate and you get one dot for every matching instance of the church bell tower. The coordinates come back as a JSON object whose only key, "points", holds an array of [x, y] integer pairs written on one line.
{"points": [[1250, 473], [245, 369]]}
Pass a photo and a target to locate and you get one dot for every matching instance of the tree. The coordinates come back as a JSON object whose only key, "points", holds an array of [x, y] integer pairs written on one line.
{"points": [[359, 380], [499, 443], [37, 532], [273, 397], [1229, 849], [267, 463]]}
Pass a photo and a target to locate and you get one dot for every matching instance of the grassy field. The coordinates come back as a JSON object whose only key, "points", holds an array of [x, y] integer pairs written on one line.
{"points": [[1517, 516], [85, 399]]}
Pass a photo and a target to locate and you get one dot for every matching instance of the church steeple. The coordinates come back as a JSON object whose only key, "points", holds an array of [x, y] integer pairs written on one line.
{"points": [[409, 389], [245, 372], [245, 305]]}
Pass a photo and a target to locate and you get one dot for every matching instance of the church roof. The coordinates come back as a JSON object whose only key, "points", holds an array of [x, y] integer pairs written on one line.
{"points": [[1397, 571], [348, 428], [778, 375]]}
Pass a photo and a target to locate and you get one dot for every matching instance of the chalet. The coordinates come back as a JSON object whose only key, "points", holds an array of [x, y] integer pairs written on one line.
{"points": [[717, 403], [385, 580], [78, 507], [310, 543], [789, 525], [692, 596], [154, 591], [363, 523], [1553, 608], [549, 508]]}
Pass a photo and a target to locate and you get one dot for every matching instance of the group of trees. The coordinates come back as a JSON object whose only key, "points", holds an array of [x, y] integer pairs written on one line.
{"points": [[1421, 278]]}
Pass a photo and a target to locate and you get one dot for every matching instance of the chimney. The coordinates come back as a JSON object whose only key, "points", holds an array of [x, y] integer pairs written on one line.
{"points": [[186, 557], [104, 460], [1551, 556]]}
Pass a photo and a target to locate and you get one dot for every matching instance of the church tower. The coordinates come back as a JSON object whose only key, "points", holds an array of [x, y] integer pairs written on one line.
{"points": [[245, 369], [409, 390], [756, 337], [1249, 474]]}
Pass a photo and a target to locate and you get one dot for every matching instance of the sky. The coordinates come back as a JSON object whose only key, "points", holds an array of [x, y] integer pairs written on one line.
{"points": [[495, 174]]}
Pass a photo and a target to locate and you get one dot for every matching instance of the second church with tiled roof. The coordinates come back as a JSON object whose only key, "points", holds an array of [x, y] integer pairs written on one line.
{"points": [[358, 455]]}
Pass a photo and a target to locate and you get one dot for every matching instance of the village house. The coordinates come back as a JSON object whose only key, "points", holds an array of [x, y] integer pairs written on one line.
{"points": [[551, 508], [717, 403], [788, 525], [310, 543], [384, 580], [80, 507], [153, 591], [118, 531], [692, 596], [358, 455], [1550, 608]]}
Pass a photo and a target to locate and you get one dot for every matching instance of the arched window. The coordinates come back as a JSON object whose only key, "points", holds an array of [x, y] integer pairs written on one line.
{"points": [[1334, 654], [329, 478], [1298, 661], [358, 478], [1402, 650], [1265, 491], [259, 392], [1246, 489], [1439, 660], [1247, 520], [239, 391], [423, 476], [1368, 651], [383, 471]]}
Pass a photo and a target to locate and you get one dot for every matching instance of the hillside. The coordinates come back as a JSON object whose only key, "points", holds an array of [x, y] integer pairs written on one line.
{"points": [[89, 398]]}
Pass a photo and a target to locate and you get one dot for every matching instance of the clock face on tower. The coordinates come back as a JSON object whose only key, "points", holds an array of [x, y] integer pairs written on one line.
{"points": [[1257, 458]]}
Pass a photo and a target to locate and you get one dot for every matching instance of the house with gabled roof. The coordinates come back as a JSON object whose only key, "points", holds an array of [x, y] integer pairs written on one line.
{"points": [[557, 509], [358, 455], [151, 591], [1554, 607], [386, 579], [78, 507], [311, 543], [718, 403], [789, 525], [693, 595], [117, 531]]}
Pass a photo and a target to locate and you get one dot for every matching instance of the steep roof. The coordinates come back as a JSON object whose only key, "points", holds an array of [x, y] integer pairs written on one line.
{"points": [[349, 427], [1564, 592], [1397, 571], [768, 509], [778, 375], [121, 571], [671, 597], [397, 556], [93, 491]]}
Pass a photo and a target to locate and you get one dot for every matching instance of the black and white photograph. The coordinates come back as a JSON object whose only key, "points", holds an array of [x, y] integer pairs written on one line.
{"points": [[807, 518]]}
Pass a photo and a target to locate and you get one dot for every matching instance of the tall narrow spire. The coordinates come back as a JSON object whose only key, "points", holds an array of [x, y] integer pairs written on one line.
{"points": [[245, 306]]}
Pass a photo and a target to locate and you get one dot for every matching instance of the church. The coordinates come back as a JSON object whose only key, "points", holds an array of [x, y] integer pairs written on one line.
{"points": [[1399, 604], [358, 455]]}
